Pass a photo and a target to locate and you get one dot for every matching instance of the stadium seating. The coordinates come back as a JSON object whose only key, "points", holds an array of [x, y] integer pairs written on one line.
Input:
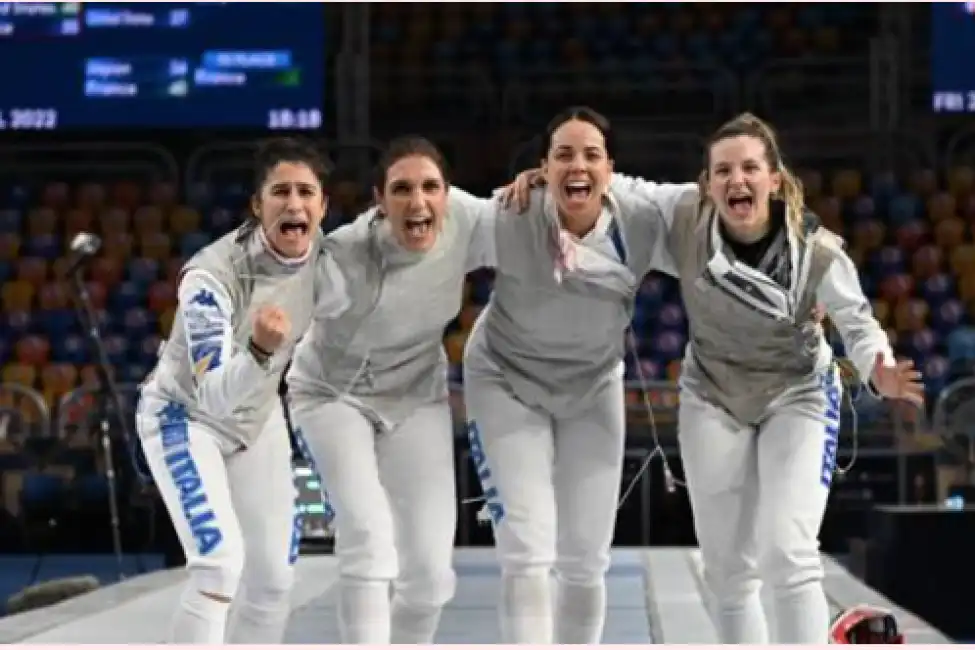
{"points": [[430, 63]]}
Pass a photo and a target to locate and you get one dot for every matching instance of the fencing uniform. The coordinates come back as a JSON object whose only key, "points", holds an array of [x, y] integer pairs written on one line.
{"points": [[368, 394], [760, 410], [210, 422], [543, 385]]}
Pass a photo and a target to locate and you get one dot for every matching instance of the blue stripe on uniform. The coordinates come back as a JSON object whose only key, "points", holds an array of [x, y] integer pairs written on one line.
{"points": [[492, 497], [616, 236], [831, 424], [185, 474]]}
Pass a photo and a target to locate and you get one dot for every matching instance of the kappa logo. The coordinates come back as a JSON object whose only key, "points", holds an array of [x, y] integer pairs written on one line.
{"points": [[205, 298]]}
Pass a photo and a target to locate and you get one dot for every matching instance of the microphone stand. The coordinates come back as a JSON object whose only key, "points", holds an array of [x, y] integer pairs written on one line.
{"points": [[108, 392]]}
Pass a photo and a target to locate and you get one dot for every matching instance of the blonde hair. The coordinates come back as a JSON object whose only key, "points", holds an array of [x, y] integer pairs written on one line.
{"points": [[749, 125]]}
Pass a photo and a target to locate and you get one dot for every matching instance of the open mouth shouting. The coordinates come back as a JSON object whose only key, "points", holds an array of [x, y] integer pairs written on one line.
{"points": [[293, 228], [740, 205], [577, 192], [418, 230]]}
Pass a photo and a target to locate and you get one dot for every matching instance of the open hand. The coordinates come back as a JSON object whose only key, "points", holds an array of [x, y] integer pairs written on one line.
{"points": [[519, 192], [900, 381]]}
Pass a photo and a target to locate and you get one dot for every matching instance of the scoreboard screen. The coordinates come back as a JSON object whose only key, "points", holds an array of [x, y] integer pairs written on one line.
{"points": [[79, 65], [952, 57]]}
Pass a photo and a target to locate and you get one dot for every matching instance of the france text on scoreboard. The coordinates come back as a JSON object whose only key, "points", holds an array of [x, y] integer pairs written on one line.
{"points": [[74, 65]]}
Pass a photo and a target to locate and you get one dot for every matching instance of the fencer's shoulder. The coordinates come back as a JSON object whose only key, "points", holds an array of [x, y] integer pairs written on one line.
{"points": [[216, 257], [352, 233], [816, 232]]}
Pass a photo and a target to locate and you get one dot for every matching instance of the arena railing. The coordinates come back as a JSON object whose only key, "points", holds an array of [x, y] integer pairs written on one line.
{"points": [[960, 148], [80, 411], [658, 96], [953, 420], [24, 412], [144, 159]]}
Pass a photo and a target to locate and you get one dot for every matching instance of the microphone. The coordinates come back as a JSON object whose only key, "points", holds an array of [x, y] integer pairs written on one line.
{"points": [[84, 246], [669, 484]]}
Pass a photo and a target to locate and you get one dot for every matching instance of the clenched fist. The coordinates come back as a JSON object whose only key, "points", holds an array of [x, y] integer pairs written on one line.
{"points": [[271, 327]]}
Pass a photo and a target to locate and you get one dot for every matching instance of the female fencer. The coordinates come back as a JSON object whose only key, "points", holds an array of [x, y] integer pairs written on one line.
{"points": [[209, 418], [368, 395], [543, 381]]}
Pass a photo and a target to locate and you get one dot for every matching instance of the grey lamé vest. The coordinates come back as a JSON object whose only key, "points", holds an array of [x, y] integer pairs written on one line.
{"points": [[384, 355], [253, 278], [736, 357], [554, 342]]}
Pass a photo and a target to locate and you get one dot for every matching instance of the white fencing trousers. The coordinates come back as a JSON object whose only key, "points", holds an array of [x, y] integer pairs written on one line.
{"points": [[234, 511], [395, 507], [758, 496], [552, 487]]}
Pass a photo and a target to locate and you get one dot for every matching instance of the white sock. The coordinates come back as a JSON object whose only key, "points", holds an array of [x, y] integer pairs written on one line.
{"points": [[413, 624], [259, 622], [526, 609], [580, 612], [199, 619], [364, 615], [802, 614]]}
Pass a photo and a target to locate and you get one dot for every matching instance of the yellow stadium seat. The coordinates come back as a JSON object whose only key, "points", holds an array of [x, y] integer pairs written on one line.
{"points": [[847, 184], [949, 233], [911, 315], [59, 378], [881, 311], [156, 246], [114, 220], [166, 322], [148, 219], [183, 220], [18, 373], [961, 180], [963, 260], [941, 206], [17, 295], [9, 246]]}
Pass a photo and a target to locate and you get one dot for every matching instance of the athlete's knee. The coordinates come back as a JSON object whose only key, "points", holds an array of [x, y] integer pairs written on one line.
{"points": [[518, 558], [367, 549], [732, 585], [429, 582], [268, 579], [585, 569], [732, 575], [217, 578], [790, 561]]}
